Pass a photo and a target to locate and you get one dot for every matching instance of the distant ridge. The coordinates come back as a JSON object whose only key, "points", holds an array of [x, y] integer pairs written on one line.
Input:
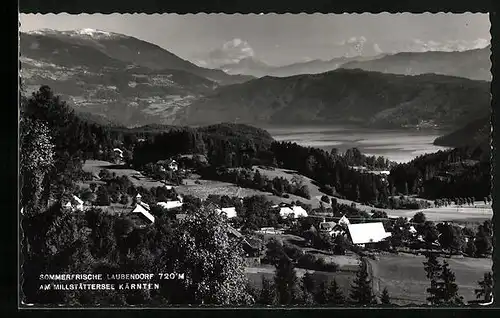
{"points": [[472, 64], [346, 96]]}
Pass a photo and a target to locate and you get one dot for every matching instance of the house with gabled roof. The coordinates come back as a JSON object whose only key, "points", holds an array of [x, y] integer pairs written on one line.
{"points": [[367, 233], [287, 210], [229, 212], [170, 205], [344, 221], [74, 203], [143, 213]]}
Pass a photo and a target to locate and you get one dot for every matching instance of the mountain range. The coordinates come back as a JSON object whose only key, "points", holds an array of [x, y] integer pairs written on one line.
{"points": [[254, 67], [346, 96], [473, 64], [130, 82]]}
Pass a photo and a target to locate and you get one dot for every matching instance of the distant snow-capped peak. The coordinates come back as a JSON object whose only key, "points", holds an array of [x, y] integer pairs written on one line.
{"points": [[88, 32], [92, 32]]}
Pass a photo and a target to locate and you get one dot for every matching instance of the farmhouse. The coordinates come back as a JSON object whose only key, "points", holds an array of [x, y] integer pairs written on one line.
{"points": [[366, 233], [172, 165], [229, 212], [270, 230], [118, 155], [331, 228], [286, 210], [250, 249], [170, 205], [142, 211], [344, 221], [74, 203]]}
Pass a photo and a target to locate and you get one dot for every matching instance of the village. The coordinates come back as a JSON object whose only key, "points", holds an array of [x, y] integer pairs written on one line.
{"points": [[327, 241]]}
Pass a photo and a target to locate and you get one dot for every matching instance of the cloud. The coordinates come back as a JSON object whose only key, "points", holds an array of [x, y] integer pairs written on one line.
{"points": [[354, 45], [230, 52]]}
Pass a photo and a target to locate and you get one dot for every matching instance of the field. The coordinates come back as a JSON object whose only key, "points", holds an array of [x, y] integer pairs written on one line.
{"points": [[344, 279], [136, 177], [405, 279], [479, 213], [289, 174]]}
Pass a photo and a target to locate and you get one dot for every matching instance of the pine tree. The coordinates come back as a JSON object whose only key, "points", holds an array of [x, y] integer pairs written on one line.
{"points": [[285, 280], [385, 298], [449, 287], [335, 295], [308, 282], [432, 269], [361, 289], [432, 266], [308, 289], [485, 287]]}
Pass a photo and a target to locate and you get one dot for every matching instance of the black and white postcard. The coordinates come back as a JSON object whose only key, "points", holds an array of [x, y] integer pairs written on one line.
{"points": [[263, 160]]}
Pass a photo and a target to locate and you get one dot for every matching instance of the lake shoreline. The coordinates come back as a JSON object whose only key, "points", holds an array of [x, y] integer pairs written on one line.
{"points": [[399, 145]]}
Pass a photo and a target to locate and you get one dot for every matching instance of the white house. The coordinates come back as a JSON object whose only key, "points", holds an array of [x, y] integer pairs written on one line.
{"points": [[78, 203], [142, 210], [344, 221], [118, 152], [364, 233], [169, 205], [173, 165], [74, 203], [229, 212], [412, 230], [331, 228], [296, 211]]}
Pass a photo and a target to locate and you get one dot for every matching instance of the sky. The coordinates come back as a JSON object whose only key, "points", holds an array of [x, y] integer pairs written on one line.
{"points": [[213, 40]]}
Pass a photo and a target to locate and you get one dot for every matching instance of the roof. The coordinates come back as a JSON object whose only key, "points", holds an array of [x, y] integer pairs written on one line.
{"points": [[140, 209], [412, 229], [118, 149], [230, 212], [234, 232], [344, 221], [77, 199], [367, 232], [327, 226], [170, 204], [145, 205], [297, 211]]}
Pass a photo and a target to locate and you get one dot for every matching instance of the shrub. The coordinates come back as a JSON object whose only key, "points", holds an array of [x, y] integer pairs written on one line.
{"points": [[309, 261], [293, 251]]}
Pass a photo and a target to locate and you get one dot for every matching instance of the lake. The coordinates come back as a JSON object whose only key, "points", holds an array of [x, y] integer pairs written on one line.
{"points": [[396, 145]]}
